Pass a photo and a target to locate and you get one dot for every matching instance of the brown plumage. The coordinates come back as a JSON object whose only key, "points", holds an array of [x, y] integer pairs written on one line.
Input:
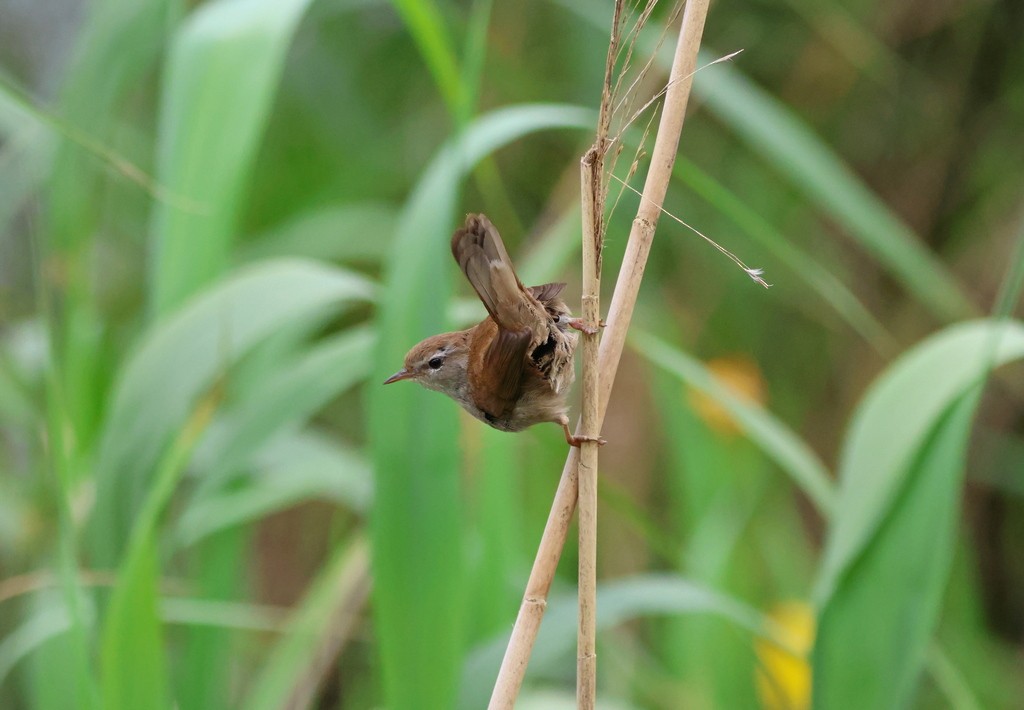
{"points": [[514, 368]]}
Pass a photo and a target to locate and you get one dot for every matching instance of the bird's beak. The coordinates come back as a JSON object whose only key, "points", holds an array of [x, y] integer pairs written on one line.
{"points": [[400, 375]]}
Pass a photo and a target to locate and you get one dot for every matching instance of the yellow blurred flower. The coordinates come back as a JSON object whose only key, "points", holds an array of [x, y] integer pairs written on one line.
{"points": [[783, 678], [741, 376]]}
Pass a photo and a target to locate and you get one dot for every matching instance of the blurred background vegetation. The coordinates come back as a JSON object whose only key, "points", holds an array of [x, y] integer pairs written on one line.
{"points": [[224, 222]]}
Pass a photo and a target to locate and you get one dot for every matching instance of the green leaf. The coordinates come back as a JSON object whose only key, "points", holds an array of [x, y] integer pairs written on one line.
{"points": [[891, 423], [224, 67], [553, 253], [180, 359], [889, 550], [874, 631]]}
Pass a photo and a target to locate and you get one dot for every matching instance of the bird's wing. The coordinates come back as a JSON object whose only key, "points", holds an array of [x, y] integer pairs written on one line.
{"points": [[496, 376], [480, 253], [546, 292]]}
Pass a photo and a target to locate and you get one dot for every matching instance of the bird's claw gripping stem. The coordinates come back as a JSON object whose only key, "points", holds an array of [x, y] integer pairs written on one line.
{"points": [[581, 325], [576, 441]]}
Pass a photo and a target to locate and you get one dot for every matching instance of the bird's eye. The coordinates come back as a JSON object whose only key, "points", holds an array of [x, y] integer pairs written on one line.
{"points": [[436, 362]]}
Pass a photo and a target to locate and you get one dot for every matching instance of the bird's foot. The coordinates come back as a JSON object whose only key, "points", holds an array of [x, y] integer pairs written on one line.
{"points": [[581, 325], [576, 441]]}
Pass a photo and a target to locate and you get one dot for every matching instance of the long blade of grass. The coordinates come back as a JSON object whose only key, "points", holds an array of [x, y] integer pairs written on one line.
{"points": [[500, 558], [132, 665], [475, 53], [777, 440], [223, 70], [802, 265], [459, 86], [425, 23], [417, 518]]}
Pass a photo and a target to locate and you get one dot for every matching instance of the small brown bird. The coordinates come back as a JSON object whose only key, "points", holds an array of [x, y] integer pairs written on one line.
{"points": [[514, 368]]}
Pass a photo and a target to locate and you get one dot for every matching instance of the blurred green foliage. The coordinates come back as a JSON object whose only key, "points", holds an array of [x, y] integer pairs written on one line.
{"points": [[224, 222]]}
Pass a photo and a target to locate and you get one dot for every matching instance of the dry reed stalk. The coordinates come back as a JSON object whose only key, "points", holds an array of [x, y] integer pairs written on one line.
{"points": [[592, 196], [586, 653], [627, 286]]}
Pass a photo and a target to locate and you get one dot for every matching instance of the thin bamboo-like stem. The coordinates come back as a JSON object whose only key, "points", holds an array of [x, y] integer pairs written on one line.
{"points": [[517, 655], [592, 197], [593, 206]]}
